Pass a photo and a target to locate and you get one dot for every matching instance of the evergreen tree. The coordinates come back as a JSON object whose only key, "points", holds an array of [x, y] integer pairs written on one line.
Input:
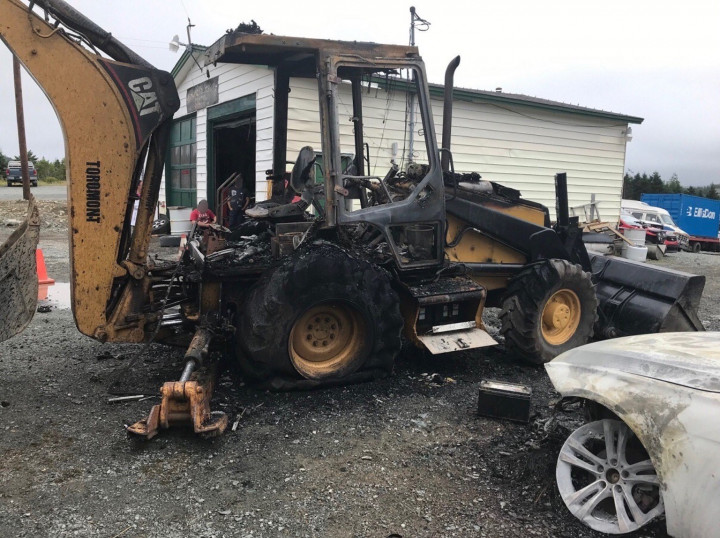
{"points": [[31, 157], [3, 162], [673, 185]]}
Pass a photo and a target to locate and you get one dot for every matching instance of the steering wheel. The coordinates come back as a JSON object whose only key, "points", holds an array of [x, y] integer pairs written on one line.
{"points": [[301, 170]]}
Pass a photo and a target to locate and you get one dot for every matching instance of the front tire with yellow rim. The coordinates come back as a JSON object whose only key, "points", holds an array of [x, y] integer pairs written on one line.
{"points": [[323, 317], [548, 308]]}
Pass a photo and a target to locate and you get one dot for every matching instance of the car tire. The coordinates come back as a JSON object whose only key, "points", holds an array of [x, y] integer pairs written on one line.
{"points": [[322, 317], [161, 226], [548, 308]]}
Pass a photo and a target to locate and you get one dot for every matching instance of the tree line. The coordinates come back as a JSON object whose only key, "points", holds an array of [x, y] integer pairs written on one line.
{"points": [[48, 171], [635, 185]]}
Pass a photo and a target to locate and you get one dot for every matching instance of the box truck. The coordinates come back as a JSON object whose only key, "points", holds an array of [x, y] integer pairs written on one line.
{"points": [[698, 216]]}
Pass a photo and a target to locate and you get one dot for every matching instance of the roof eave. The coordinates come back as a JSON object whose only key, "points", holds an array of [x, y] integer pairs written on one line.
{"points": [[185, 57], [459, 93]]}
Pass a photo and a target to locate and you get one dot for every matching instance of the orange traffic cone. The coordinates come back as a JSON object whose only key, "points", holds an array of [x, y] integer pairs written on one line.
{"points": [[43, 292], [43, 277]]}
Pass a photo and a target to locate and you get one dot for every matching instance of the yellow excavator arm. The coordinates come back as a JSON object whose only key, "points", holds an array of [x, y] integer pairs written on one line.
{"points": [[115, 115]]}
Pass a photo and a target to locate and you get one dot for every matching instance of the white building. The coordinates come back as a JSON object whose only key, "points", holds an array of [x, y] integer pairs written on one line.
{"points": [[225, 124]]}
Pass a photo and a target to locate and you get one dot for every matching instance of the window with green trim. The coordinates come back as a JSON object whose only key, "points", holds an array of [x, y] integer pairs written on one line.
{"points": [[181, 170]]}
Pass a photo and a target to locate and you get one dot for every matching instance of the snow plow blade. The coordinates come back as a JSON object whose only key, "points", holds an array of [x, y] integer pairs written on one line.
{"points": [[18, 276], [636, 298]]}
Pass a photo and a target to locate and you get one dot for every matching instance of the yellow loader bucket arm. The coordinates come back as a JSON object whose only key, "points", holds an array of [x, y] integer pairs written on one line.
{"points": [[115, 117]]}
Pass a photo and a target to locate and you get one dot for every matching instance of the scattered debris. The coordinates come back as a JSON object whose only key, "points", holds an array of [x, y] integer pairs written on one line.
{"points": [[44, 308], [237, 420], [53, 213], [124, 399], [437, 379]]}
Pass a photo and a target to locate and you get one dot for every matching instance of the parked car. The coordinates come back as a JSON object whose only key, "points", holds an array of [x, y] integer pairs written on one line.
{"points": [[652, 443], [655, 216], [653, 234], [13, 174]]}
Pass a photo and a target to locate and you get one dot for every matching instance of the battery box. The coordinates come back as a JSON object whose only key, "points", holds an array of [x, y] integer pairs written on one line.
{"points": [[510, 401]]}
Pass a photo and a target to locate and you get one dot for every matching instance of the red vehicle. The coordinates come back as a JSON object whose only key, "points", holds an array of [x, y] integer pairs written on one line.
{"points": [[653, 236]]}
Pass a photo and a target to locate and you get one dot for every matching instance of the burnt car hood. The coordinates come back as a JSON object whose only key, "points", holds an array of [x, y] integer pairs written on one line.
{"points": [[687, 359]]}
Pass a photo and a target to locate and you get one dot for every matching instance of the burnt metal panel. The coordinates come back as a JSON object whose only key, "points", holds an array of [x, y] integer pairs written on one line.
{"points": [[272, 50]]}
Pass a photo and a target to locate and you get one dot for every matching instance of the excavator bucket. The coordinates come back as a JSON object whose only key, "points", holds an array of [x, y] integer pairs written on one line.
{"points": [[18, 275], [637, 298]]}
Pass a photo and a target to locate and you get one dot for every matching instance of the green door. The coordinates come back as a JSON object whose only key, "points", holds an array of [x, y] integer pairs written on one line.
{"points": [[180, 169]]}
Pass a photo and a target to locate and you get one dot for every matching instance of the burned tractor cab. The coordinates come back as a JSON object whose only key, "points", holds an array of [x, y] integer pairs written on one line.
{"points": [[366, 190], [361, 232]]}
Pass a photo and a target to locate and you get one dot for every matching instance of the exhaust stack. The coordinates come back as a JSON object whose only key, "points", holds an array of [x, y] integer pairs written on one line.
{"points": [[447, 112]]}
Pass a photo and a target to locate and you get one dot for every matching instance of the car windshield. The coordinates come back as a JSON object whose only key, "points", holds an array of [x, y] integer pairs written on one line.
{"points": [[666, 219]]}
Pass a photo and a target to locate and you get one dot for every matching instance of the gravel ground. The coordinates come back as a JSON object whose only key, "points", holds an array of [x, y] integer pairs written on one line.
{"points": [[405, 456]]}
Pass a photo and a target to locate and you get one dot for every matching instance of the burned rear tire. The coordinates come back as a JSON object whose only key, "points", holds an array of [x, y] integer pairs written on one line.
{"points": [[323, 317], [548, 308]]}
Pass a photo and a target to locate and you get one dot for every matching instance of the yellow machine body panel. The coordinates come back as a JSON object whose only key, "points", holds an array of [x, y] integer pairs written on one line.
{"points": [[476, 247], [103, 144]]}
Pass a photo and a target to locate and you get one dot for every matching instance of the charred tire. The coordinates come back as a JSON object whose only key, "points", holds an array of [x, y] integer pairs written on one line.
{"points": [[548, 308], [323, 317]]}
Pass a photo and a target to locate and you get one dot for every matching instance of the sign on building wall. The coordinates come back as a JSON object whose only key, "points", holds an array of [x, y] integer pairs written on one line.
{"points": [[202, 95]]}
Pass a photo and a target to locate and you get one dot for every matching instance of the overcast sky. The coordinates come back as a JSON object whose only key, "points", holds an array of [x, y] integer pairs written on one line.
{"points": [[657, 60]]}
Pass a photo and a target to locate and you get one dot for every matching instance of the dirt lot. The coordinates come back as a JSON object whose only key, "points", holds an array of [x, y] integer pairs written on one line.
{"points": [[406, 456]]}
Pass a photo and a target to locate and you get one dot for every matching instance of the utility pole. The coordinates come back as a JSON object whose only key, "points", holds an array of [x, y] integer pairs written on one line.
{"points": [[422, 26], [21, 128]]}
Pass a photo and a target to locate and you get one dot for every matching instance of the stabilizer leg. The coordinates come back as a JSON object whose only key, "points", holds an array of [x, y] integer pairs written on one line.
{"points": [[187, 401]]}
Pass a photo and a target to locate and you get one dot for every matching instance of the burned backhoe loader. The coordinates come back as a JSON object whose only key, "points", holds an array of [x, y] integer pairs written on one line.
{"points": [[320, 291]]}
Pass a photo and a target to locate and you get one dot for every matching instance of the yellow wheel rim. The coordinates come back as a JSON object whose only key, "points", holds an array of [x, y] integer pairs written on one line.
{"points": [[327, 340], [560, 317]]}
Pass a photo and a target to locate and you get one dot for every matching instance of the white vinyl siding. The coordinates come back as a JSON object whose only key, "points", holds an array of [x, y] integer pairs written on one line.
{"points": [[234, 81], [383, 123], [521, 146], [524, 147], [518, 146]]}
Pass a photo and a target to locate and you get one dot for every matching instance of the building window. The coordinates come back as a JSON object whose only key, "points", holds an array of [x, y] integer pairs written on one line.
{"points": [[181, 170]]}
